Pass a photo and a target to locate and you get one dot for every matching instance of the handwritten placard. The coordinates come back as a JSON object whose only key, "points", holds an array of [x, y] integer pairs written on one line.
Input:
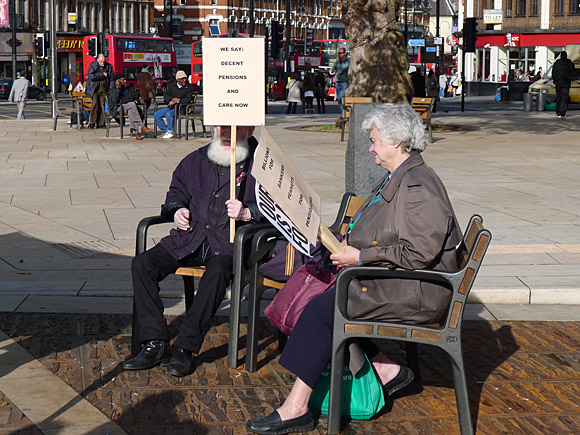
{"points": [[233, 81]]}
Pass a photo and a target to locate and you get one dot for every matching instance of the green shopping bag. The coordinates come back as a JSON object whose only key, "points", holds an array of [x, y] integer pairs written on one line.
{"points": [[362, 395]]}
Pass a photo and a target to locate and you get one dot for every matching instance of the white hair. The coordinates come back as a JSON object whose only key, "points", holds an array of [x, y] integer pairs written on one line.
{"points": [[221, 156], [398, 122]]}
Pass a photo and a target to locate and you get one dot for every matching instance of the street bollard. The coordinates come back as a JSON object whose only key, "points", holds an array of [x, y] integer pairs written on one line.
{"points": [[528, 99], [541, 102]]}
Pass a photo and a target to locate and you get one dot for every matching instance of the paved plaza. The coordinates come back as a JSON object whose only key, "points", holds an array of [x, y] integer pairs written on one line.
{"points": [[69, 205]]}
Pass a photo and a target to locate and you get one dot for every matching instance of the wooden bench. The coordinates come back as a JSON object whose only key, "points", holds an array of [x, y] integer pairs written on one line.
{"points": [[347, 103], [350, 204], [424, 108], [446, 336]]}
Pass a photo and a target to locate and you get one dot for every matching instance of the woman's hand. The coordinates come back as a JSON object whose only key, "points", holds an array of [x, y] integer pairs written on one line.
{"points": [[181, 219], [237, 211], [348, 257]]}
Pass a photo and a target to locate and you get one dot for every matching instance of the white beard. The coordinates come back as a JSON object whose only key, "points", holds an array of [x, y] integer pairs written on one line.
{"points": [[221, 156]]}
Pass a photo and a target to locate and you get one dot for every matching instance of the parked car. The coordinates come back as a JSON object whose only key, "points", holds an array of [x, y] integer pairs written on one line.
{"points": [[34, 92], [546, 85]]}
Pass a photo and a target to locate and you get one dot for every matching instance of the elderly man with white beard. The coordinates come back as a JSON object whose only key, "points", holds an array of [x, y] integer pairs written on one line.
{"points": [[198, 202]]}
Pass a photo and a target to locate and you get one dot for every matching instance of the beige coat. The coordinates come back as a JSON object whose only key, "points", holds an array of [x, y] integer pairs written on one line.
{"points": [[412, 226]]}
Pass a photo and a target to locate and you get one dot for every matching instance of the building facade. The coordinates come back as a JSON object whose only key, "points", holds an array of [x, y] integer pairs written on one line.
{"points": [[193, 19], [74, 20], [519, 35]]}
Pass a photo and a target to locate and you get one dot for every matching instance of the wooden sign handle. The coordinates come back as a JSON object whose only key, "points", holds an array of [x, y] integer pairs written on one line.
{"points": [[233, 141], [328, 240]]}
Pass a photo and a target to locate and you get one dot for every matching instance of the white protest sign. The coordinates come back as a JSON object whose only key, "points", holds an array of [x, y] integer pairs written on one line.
{"points": [[289, 191], [233, 81], [278, 218]]}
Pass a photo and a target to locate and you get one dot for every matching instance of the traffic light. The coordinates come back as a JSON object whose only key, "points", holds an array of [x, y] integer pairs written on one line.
{"points": [[47, 44], [39, 45], [469, 34], [277, 39], [308, 37], [92, 47]]}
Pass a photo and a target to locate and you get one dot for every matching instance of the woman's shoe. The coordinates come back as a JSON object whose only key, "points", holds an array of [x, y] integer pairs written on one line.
{"points": [[273, 425], [403, 378]]}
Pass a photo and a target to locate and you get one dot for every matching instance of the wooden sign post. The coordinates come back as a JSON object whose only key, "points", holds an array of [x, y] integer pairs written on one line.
{"points": [[234, 84]]}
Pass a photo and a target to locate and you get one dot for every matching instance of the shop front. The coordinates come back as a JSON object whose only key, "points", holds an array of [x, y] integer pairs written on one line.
{"points": [[512, 58], [24, 52], [69, 60]]}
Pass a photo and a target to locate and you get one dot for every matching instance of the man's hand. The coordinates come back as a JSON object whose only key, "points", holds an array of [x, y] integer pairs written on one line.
{"points": [[181, 219], [237, 211], [348, 257], [10, 100]]}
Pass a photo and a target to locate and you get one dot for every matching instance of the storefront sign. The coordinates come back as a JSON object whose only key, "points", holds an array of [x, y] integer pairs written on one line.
{"points": [[513, 39], [66, 45], [438, 41], [72, 18], [492, 16], [452, 40], [146, 57]]}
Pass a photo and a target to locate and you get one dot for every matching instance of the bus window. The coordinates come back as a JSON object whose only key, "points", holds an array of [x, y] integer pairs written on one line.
{"points": [[151, 45], [314, 49], [131, 72], [162, 46], [197, 68], [197, 49]]}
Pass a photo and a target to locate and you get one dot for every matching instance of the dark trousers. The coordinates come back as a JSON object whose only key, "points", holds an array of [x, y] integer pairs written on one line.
{"points": [[309, 347], [291, 107], [320, 104], [97, 115], [146, 105], [562, 97], [151, 267]]}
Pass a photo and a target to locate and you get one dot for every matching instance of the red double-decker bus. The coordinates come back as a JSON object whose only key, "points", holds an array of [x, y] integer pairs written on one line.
{"points": [[127, 53]]}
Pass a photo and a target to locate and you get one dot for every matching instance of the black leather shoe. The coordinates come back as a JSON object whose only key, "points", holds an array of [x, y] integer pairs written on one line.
{"points": [[91, 125], [273, 425], [403, 378], [154, 352], [181, 363]]}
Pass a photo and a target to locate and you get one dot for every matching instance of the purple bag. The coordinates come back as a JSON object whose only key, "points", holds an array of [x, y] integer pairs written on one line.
{"points": [[286, 259], [307, 282]]}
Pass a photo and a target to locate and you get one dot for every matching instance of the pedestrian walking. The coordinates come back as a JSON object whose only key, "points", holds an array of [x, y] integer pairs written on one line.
{"points": [[442, 85], [455, 82], [340, 72], [432, 88], [99, 81], [562, 75], [19, 93], [294, 93], [146, 88], [320, 92], [309, 89]]}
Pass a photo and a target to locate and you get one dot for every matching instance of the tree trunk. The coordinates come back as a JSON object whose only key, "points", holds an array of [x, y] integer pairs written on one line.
{"points": [[378, 53]]}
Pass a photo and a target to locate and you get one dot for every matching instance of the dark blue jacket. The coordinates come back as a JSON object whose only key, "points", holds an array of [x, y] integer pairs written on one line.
{"points": [[203, 187], [94, 76]]}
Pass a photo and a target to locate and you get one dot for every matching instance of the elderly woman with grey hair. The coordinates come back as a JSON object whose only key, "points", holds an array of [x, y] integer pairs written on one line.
{"points": [[406, 222]]}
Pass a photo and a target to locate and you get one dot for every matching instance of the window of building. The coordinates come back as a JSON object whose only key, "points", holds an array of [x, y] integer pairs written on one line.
{"points": [[97, 16], [120, 17], [60, 15], [574, 7], [42, 14], [86, 16], [128, 10], [114, 17], [559, 7], [176, 28], [534, 8], [520, 7], [214, 27], [20, 21], [144, 27], [80, 15], [508, 8]]}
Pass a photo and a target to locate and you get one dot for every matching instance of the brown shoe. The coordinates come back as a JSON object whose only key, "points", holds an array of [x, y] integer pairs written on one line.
{"points": [[146, 130], [139, 137]]}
